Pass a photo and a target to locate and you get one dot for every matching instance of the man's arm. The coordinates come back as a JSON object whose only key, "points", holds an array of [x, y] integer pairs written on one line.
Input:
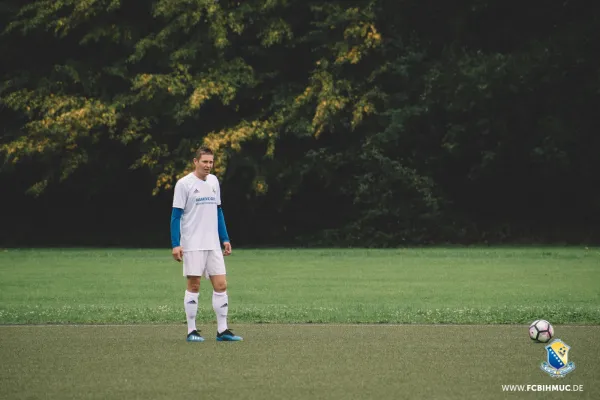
{"points": [[223, 236], [180, 196], [176, 233], [176, 227]]}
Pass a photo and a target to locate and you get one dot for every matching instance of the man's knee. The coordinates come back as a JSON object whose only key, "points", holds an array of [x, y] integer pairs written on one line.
{"points": [[220, 284], [194, 284]]}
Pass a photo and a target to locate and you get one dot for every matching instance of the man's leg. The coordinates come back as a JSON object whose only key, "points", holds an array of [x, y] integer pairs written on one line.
{"points": [[193, 267], [220, 300], [190, 301]]}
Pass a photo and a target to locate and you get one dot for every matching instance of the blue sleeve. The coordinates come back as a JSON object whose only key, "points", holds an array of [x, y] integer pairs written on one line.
{"points": [[176, 226], [223, 236]]}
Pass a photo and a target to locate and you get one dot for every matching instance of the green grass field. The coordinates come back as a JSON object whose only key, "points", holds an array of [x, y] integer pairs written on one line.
{"points": [[476, 285], [293, 362], [311, 321]]}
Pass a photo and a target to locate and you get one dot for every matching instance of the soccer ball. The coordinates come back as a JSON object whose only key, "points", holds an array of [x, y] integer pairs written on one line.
{"points": [[541, 331]]}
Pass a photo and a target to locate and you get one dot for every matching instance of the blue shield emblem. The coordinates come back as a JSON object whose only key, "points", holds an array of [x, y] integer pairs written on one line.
{"points": [[557, 363]]}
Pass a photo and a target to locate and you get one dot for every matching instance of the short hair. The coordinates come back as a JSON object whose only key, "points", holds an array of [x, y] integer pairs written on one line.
{"points": [[203, 150]]}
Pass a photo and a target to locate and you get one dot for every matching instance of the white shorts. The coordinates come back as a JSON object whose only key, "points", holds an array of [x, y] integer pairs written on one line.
{"points": [[205, 263]]}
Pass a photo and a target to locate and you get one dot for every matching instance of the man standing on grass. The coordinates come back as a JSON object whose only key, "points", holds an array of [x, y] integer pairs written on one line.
{"points": [[197, 231]]}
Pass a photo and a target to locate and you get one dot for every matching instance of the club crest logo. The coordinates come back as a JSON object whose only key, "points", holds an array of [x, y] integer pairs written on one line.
{"points": [[557, 363]]}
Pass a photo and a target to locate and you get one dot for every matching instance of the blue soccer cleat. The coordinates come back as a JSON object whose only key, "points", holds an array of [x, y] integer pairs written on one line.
{"points": [[228, 336], [194, 336]]}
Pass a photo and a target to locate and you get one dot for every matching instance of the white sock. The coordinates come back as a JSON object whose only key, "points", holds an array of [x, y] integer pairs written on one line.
{"points": [[221, 308], [190, 303]]}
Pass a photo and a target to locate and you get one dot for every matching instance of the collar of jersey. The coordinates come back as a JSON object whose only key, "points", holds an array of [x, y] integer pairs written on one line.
{"points": [[200, 179]]}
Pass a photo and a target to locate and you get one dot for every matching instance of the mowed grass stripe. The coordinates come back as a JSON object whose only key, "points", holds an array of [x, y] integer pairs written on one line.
{"points": [[291, 362], [433, 285]]}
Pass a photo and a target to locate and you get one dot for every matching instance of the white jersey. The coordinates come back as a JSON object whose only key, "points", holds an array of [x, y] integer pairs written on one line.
{"points": [[199, 200]]}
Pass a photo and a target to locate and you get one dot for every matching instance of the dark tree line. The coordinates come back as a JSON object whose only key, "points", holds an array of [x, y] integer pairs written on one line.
{"points": [[370, 123]]}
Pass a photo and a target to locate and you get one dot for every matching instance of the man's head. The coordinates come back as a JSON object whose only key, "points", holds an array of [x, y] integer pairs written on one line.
{"points": [[203, 162]]}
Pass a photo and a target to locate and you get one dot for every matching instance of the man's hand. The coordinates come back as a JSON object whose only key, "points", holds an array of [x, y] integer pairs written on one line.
{"points": [[227, 250], [178, 253]]}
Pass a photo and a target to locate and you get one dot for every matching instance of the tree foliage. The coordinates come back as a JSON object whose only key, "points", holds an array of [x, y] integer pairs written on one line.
{"points": [[416, 120]]}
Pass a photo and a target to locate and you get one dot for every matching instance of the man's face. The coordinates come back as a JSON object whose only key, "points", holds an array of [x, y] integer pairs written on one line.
{"points": [[204, 164]]}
